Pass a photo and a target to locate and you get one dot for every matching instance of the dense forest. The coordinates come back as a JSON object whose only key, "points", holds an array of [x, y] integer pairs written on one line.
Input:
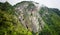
{"points": [[9, 23]]}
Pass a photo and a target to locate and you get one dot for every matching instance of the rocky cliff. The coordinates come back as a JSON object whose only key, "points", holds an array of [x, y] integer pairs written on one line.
{"points": [[28, 14]]}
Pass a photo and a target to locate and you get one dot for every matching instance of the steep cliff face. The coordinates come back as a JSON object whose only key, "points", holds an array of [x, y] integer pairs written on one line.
{"points": [[28, 14]]}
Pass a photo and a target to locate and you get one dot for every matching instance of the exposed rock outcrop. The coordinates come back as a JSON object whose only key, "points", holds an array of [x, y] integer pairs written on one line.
{"points": [[28, 14]]}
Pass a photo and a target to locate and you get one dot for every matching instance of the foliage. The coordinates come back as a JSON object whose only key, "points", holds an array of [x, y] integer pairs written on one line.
{"points": [[52, 21], [9, 23]]}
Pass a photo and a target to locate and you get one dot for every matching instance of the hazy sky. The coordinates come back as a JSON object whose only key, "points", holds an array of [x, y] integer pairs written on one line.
{"points": [[48, 3]]}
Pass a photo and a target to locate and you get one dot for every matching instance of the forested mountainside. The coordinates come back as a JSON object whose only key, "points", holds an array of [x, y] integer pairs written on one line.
{"points": [[9, 23], [28, 18], [51, 17]]}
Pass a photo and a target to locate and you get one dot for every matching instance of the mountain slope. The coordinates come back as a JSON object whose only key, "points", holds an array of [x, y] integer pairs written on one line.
{"points": [[9, 23], [28, 13], [52, 21], [28, 18]]}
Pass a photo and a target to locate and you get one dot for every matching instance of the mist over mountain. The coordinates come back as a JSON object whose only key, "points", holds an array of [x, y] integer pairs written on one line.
{"points": [[28, 18]]}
